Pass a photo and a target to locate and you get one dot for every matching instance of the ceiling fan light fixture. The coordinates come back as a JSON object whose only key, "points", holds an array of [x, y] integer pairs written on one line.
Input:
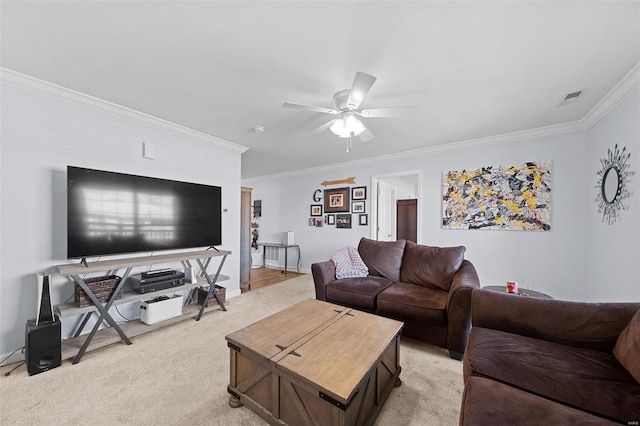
{"points": [[348, 125]]}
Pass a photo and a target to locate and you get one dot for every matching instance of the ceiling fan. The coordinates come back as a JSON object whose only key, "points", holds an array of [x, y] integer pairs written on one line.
{"points": [[348, 124]]}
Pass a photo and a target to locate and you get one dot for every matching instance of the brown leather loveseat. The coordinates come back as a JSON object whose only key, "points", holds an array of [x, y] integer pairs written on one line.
{"points": [[533, 361], [428, 288]]}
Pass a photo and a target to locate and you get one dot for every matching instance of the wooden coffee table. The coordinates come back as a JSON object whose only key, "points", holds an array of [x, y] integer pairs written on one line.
{"points": [[315, 363]]}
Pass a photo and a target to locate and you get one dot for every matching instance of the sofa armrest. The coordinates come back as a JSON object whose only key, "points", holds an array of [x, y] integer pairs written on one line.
{"points": [[323, 274], [581, 324], [459, 306]]}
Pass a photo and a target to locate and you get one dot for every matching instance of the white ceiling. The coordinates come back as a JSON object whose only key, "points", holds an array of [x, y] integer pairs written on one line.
{"points": [[476, 69]]}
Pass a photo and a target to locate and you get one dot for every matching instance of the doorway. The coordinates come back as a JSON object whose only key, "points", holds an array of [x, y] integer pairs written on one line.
{"points": [[393, 218], [407, 220]]}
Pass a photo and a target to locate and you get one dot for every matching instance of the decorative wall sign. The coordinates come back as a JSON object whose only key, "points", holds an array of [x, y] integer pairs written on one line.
{"points": [[343, 221], [348, 181], [336, 200], [496, 197], [317, 195], [612, 185], [331, 219]]}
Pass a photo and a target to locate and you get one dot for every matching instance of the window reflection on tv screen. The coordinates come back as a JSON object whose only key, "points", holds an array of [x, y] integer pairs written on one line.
{"points": [[111, 213]]}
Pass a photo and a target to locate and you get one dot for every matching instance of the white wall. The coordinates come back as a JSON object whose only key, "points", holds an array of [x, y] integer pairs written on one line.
{"points": [[41, 135], [557, 262], [614, 250], [404, 189]]}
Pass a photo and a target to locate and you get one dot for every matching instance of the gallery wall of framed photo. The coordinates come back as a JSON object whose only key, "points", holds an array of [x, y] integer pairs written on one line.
{"points": [[339, 207]]}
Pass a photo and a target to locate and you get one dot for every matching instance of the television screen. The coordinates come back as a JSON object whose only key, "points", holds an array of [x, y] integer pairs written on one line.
{"points": [[113, 213]]}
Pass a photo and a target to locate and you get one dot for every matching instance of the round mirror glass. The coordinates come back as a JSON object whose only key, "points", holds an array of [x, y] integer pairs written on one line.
{"points": [[610, 183]]}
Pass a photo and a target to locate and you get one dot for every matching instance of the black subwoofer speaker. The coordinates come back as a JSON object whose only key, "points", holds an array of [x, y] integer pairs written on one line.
{"points": [[42, 346]]}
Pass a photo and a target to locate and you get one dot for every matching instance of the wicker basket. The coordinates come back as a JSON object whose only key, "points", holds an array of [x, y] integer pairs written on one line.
{"points": [[102, 288], [202, 294]]}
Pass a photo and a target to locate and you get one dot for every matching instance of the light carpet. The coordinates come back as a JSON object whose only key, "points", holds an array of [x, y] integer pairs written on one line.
{"points": [[178, 375]]}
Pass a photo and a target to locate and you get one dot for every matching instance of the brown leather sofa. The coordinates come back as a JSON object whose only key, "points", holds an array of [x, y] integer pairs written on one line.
{"points": [[533, 361], [428, 288]]}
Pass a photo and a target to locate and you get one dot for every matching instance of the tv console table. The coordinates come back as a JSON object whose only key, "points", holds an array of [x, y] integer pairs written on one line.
{"points": [[117, 331]]}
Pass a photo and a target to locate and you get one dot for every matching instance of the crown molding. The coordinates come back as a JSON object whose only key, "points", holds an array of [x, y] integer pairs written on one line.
{"points": [[619, 93], [489, 140], [624, 88], [55, 91]]}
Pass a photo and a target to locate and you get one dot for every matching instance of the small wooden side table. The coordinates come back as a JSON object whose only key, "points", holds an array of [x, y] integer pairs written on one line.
{"points": [[521, 292]]}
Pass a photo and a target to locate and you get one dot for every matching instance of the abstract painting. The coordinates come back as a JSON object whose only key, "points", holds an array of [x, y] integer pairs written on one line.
{"points": [[498, 197]]}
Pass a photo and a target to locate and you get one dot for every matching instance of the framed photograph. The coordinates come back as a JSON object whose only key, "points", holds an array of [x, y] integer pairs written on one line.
{"points": [[316, 209], [336, 200], [363, 219], [359, 193], [331, 219], [357, 207], [343, 221], [312, 221], [319, 223]]}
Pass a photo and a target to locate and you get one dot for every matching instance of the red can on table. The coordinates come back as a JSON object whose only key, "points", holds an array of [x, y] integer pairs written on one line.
{"points": [[512, 287]]}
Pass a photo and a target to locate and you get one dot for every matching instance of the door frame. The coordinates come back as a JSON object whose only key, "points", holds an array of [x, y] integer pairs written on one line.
{"points": [[374, 199], [391, 214]]}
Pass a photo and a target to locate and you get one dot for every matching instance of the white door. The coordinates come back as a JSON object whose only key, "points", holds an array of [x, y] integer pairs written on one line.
{"points": [[386, 212]]}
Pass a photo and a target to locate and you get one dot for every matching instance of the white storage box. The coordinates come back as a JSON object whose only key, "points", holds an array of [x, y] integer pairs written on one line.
{"points": [[160, 309], [287, 238]]}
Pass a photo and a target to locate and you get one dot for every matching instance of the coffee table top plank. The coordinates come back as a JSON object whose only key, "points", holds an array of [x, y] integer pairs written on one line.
{"points": [[338, 358], [278, 332]]}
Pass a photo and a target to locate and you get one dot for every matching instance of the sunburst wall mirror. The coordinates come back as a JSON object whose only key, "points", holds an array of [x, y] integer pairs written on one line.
{"points": [[613, 184]]}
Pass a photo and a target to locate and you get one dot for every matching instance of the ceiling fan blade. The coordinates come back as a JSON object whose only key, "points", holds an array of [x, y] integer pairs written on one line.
{"points": [[322, 128], [359, 89], [310, 108], [366, 136], [389, 112]]}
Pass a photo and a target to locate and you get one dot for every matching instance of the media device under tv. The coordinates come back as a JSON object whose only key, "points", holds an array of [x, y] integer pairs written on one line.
{"points": [[114, 213], [148, 283]]}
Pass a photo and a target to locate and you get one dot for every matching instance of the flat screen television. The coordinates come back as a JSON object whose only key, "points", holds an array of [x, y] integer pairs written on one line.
{"points": [[112, 213]]}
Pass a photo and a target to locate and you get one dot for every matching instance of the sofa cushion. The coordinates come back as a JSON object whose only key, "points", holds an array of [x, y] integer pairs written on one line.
{"points": [[585, 379], [627, 348], [383, 258], [430, 266], [359, 293], [414, 303], [487, 402]]}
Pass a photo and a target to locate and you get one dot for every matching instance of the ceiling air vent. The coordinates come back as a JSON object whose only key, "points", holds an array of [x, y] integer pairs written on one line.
{"points": [[571, 97]]}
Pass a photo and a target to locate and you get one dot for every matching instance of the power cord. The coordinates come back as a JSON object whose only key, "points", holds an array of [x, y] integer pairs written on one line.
{"points": [[9, 356], [121, 314]]}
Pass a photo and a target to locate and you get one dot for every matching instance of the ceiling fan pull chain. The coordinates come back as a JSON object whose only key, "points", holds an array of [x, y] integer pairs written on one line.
{"points": [[349, 146]]}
